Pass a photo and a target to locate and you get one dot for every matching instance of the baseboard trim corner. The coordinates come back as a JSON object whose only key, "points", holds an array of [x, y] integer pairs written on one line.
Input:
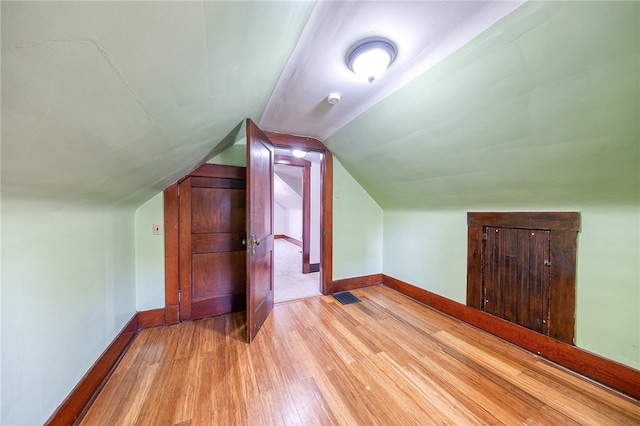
{"points": [[356, 282], [152, 318], [76, 404], [80, 398]]}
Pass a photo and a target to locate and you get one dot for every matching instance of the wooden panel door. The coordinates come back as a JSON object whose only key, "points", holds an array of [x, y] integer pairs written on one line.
{"points": [[212, 254], [259, 225], [516, 276]]}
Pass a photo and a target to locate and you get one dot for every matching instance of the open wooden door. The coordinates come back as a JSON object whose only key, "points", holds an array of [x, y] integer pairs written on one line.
{"points": [[259, 227]]}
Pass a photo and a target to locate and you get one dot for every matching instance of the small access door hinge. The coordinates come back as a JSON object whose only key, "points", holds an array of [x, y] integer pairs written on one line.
{"points": [[547, 263]]}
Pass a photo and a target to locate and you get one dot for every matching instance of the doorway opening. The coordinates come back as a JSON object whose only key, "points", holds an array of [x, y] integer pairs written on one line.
{"points": [[232, 151], [296, 226]]}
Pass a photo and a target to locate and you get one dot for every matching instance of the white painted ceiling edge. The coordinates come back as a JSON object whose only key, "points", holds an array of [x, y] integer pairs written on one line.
{"points": [[284, 195], [291, 175], [425, 33]]}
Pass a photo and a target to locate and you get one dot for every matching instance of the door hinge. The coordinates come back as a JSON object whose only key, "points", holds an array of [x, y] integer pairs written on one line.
{"points": [[484, 301], [179, 296], [547, 263], [484, 236]]}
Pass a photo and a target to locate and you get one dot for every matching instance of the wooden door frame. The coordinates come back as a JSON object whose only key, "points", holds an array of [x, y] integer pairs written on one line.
{"points": [[305, 165], [281, 140], [563, 227], [171, 210]]}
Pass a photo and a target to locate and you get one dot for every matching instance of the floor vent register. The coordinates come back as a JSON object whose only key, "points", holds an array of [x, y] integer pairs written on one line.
{"points": [[346, 298]]}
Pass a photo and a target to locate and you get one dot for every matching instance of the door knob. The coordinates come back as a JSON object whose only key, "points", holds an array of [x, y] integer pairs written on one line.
{"points": [[253, 242]]}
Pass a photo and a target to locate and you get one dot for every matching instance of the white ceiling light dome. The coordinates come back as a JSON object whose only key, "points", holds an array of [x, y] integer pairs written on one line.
{"points": [[371, 58], [298, 153]]}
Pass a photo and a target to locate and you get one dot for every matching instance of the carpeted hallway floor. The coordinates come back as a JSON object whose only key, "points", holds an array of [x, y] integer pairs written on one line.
{"points": [[289, 281]]}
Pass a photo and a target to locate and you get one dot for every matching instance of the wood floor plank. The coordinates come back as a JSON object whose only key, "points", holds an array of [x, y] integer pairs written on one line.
{"points": [[454, 380], [485, 358], [447, 404], [388, 392], [595, 396], [312, 407], [386, 360]]}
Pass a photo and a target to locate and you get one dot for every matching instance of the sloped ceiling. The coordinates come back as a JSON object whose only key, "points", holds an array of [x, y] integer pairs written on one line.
{"points": [[113, 101], [540, 110], [291, 176], [424, 32], [285, 194]]}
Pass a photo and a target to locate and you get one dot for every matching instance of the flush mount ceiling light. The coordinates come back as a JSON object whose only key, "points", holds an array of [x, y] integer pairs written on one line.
{"points": [[370, 58], [298, 153]]}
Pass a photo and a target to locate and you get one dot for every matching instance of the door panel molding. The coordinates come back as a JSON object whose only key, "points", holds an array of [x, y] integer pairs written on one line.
{"points": [[181, 244], [184, 232]]}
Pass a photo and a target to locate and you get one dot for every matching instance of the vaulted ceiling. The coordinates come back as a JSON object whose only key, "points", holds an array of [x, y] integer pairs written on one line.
{"points": [[487, 102]]}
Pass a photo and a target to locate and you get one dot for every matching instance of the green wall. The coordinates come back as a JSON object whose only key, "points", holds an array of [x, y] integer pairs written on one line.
{"points": [[357, 236], [428, 249], [68, 287], [235, 155], [608, 287], [357, 228], [543, 108], [540, 112], [150, 255]]}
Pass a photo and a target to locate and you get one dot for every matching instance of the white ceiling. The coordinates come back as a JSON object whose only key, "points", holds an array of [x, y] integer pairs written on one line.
{"points": [[425, 32], [287, 186]]}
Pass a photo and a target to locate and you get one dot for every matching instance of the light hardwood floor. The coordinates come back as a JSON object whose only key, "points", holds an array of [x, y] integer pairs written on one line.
{"points": [[387, 361]]}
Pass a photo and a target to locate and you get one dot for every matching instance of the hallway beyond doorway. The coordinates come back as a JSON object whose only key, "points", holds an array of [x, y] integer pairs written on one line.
{"points": [[289, 282]]}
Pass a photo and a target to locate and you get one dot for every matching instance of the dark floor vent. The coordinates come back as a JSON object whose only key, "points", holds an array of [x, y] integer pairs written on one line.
{"points": [[346, 298]]}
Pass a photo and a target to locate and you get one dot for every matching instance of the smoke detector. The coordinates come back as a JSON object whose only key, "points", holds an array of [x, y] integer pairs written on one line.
{"points": [[333, 98]]}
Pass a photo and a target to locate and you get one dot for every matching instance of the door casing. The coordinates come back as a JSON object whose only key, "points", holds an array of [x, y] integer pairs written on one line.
{"points": [[281, 140], [171, 219]]}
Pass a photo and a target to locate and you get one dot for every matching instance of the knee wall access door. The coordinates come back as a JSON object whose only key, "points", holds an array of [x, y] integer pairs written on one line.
{"points": [[521, 266], [515, 276]]}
